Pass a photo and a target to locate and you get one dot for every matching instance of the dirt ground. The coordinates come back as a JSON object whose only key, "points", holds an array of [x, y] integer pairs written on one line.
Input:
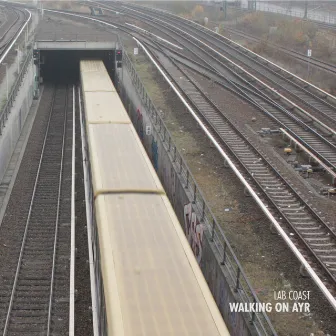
{"points": [[266, 260]]}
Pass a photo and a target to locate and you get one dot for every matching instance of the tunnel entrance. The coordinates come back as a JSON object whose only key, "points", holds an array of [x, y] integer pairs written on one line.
{"points": [[58, 61], [63, 65]]}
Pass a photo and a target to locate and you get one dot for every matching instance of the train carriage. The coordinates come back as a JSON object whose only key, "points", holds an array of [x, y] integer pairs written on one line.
{"points": [[152, 284]]}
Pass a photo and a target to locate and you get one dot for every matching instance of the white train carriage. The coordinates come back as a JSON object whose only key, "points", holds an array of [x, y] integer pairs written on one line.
{"points": [[151, 281]]}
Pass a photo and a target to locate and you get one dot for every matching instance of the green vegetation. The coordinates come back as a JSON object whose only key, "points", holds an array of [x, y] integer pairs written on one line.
{"points": [[291, 32], [145, 71], [287, 30]]}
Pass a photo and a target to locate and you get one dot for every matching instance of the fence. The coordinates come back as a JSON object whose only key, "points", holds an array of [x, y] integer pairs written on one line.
{"points": [[234, 272], [27, 52], [15, 88], [312, 14]]}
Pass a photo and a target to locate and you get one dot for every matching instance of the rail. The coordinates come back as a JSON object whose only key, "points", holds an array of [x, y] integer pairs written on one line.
{"points": [[243, 92], [31, 220], [288, 241], [250, 172], [309, 153], [16, 38], [155, 114], [242, 70], [9, 28], [213, 230], [73, 222], [260, 57], [80, 16]]}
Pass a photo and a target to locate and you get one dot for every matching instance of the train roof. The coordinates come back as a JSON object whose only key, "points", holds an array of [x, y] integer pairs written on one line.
{"points": [[152, 282], [147, 260], [104, 107], [119, 161], [94, 77]]}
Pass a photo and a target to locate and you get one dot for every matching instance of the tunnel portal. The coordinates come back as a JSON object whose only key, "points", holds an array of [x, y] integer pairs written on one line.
{"points": [[58, 61]]}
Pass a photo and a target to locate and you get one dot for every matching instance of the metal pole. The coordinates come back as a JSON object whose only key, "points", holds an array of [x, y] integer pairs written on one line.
{"points": [[305, 15], [224, 9], [309, 55], [7, 85], [7, 82], [18, 50]]}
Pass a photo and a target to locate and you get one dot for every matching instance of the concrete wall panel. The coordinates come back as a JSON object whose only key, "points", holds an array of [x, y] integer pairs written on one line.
{"points": [[16, 119]]}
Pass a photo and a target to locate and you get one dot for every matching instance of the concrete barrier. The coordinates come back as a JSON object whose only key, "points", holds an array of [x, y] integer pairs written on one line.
{"points": [[16, 118]]}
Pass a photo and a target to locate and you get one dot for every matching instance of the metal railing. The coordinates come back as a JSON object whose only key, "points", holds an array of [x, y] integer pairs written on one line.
{"points": [[70, 37], [4, 113], [233, 271]]}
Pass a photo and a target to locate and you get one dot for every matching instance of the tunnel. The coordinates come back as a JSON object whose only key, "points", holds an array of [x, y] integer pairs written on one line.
{"points": [[59, 62]]}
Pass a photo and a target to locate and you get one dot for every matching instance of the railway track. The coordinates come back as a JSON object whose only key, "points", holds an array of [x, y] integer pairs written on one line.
{"points": [[315, 240], [313, 61], [268, 77], [11, 18], [312, 140], [3, 18], [37, 302], [9, 31], [303, 130], [247, 65]]}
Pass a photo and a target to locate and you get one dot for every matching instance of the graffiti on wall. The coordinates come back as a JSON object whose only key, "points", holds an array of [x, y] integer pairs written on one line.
{"points": [[173, 184], [222, 293], [201, 247], [139, 124], [155, 154], [194, 231], [235, 320]]}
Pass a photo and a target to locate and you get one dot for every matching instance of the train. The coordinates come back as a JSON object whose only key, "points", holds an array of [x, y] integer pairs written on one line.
{"points": [[147, 279]]}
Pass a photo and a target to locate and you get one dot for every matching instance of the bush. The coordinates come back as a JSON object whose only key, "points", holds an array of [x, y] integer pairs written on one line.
{"points": [[290, 31], [197, 13]]}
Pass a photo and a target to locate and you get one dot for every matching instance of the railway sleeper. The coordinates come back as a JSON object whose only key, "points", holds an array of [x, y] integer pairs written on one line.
{"points": [[313, 233], [321, 244], [307, 227], [29, 312], [33, 321]]}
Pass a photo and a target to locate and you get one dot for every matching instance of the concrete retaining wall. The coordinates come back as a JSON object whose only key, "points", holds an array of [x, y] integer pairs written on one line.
{"points": [[16, 119], [181, 199]]}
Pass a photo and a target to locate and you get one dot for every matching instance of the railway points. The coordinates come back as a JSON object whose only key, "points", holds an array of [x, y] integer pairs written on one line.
{"points": [[313, 61], [15, 25], [50, 256], [289, 209]]}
